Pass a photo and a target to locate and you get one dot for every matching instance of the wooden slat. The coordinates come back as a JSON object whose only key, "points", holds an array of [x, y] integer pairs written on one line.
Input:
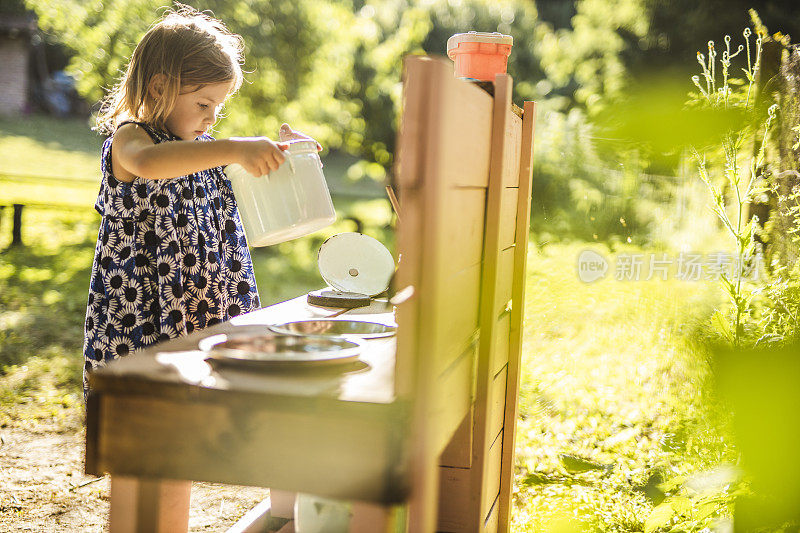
{"points": [[462, 219], [501, 343], [483, 470], [454, 495], [492, 487], [497, 403], [458, 451], [517, 314], [452, 398], [505, 279], [508, 217], [493, 520], [153, 505], [513, 141], [455, 317], [221, 443], [463, 138], [447, 115]]}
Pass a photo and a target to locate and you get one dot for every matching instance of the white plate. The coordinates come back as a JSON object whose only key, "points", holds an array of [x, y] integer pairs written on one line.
{"points": [[269, 349]]}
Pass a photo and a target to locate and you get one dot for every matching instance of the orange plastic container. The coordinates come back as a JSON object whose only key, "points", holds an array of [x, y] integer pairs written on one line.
{"points": [[478, 55]]}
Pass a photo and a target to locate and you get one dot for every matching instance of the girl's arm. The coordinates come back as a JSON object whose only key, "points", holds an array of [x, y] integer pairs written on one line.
{"points": [[136, 155]]}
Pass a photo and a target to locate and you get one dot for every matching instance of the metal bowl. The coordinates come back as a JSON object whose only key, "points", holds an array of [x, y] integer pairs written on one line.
{"points": [[260, 349], [335, 328]]}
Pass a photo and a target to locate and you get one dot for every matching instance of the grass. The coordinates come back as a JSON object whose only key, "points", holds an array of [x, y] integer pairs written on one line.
{"points": [[613, 396]]}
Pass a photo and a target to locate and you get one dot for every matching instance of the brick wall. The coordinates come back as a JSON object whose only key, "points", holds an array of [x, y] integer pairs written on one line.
{"points": [[13, 75]]}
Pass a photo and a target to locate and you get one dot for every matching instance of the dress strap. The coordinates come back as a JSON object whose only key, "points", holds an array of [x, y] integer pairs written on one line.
{"points": [[157, 135]]}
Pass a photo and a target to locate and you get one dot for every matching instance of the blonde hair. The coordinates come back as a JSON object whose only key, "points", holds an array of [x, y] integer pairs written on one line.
{"points": [[189, 49]]}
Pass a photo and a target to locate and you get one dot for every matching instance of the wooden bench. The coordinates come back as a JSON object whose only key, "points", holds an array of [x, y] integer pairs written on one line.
{"points": [[421, 435]]}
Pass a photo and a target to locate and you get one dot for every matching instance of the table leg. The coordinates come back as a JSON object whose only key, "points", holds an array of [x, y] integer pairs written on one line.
{"points": [[372, 518], [149, 505]]}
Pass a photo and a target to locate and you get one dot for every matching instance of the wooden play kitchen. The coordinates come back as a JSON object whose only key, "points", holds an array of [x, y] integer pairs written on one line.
{"points": [[417, 431]]}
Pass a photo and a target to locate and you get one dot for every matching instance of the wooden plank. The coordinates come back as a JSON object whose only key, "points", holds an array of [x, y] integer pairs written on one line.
{"points": [[481, 464], [458, 452], [513, 143], [416, 243], [464, 137], [454, 316], [501, 340], [517, 314], [508, 217], [462, 219], [493, 520], [492, 477], [239, 444], [452, 399], [497, 403], [454, 484], [505, 279], [149, 505], [450, 115], [259, 518]]}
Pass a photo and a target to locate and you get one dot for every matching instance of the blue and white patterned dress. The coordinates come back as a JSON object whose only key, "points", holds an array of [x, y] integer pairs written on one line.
{"points": [[171, 258]]}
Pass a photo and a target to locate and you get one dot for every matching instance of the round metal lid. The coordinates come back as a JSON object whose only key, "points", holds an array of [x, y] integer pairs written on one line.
{"points": [[354, 262]]}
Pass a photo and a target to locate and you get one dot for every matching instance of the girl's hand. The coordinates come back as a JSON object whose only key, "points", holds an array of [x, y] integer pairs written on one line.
{"points": [[286, 133], [259, 155]]}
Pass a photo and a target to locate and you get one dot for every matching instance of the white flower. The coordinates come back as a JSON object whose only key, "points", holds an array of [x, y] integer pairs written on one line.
{"points": [[115, 281], [143, 262], [168, 331], [239, 267], [161, 202], [167, 268], [190, 262], [119, 347], [149, 332], [124, 204]]}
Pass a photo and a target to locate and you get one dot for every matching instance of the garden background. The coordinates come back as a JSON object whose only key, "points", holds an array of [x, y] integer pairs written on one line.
{"points": [[621, 425]]}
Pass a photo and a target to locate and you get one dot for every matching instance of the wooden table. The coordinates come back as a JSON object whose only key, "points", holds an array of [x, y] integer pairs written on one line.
{"points": [[329, 430]]}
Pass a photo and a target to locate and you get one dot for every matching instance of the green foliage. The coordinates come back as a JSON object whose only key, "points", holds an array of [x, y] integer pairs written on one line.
{"points": [[575, 195], [744, 180], [330, 68], [588, 59], [617, 415]]}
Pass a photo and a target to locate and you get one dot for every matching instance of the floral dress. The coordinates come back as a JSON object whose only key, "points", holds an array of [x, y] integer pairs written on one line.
{"points": [[171, 258]]}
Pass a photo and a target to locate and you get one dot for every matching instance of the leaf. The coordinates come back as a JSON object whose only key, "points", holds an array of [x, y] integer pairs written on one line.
{"points": [[681, 505], [706, 509], [659, 517], [576, 464], [720, 324], [672, 484]]}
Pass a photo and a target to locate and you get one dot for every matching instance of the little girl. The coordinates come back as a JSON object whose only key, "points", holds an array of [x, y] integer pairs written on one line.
{"points": [[171, 256]]}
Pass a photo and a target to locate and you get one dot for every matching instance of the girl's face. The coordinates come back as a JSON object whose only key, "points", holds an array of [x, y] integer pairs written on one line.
{"points": [[195, 110]]}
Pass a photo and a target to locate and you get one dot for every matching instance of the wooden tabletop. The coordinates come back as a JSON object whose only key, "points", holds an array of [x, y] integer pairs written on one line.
{"points": [[331, 430], [180, 363]]}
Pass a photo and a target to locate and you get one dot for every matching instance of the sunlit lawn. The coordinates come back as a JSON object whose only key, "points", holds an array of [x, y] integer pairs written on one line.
{"points": [[612, 401]]}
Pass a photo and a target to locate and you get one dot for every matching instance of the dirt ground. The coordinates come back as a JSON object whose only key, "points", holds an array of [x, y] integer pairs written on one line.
{"points": [[43, 488]]}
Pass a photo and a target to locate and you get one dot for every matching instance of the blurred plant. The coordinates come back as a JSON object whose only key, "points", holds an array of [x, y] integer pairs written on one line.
{"points": [[744, 180], [780, 321]]}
